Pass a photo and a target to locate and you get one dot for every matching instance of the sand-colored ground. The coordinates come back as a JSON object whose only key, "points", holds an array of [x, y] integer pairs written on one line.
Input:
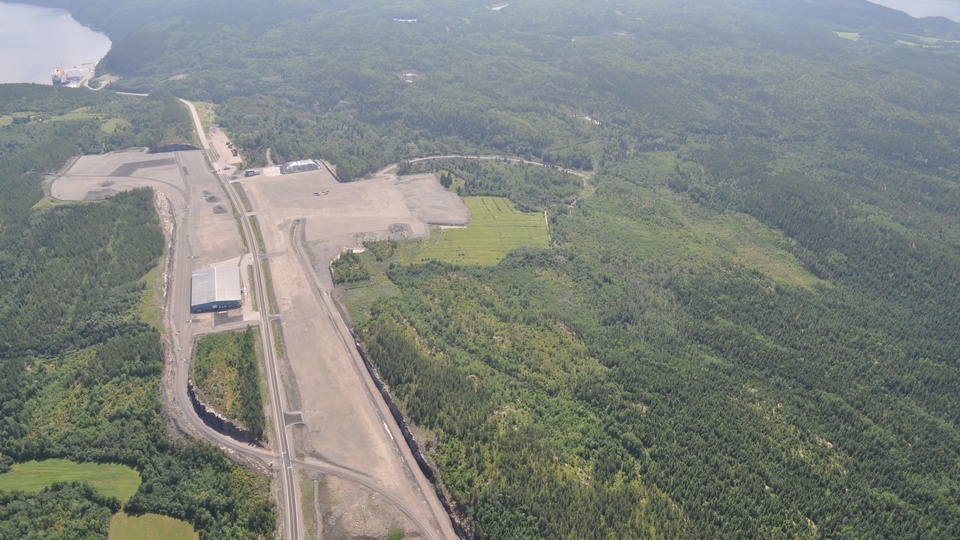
{"points": [[221, 144], [183, 177], [344, 421]]}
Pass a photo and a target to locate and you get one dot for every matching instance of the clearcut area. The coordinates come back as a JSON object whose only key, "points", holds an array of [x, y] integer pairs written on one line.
{"points": [[496, 227]]}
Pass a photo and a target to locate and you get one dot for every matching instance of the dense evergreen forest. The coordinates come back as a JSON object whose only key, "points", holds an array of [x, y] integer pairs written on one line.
{"points": [[747, 328], [79, 370]]}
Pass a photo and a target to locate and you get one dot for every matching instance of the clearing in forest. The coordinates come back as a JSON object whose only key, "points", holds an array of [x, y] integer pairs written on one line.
{"points": [[495, 228], [109, 479], [851, 36], [149, 527]]}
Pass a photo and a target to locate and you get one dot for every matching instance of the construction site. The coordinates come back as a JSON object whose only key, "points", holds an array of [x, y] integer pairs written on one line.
{"points": [[347, 453]]}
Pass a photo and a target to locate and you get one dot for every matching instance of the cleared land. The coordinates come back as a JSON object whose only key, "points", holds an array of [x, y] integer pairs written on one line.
{"points": [[111, 480], [344, 422], [306, 219], [496, 228], [149, 527], [183, 177]]}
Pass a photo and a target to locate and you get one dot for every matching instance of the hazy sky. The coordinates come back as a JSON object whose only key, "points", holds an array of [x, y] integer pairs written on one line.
{"points": [[925, 8]]}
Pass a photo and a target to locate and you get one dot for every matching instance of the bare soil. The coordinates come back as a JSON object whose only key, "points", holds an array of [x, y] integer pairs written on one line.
{"points": [[345, 422]]}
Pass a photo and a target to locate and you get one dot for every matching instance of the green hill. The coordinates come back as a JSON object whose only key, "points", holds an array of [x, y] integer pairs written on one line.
{"points": [[747, 330]]}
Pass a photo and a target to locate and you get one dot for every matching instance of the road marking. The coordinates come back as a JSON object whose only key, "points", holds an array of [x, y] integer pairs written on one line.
{"points": [[388, 431]]}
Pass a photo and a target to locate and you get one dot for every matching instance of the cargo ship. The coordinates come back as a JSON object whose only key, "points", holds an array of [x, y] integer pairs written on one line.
{"points": [[59, 77]]}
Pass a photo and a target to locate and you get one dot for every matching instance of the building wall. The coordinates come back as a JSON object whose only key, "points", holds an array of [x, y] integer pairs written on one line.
{"points": [[216, 306]]}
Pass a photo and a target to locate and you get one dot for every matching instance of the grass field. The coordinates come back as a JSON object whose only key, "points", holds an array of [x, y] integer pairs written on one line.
{"points": [[495, 228], [362, 297], [113, 124], [151, 300], [149, 527], [852, 36], [207, 113], [111, 480]]}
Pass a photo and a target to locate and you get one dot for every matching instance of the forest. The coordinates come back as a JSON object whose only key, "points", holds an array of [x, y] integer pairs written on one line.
{"points": [[226, 373], [745, 327], [79, 370]]}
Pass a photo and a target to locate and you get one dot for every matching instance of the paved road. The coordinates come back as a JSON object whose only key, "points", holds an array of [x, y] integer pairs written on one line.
{"points": [[575, 172], [375, 400], [183, 343], [182, 339]]}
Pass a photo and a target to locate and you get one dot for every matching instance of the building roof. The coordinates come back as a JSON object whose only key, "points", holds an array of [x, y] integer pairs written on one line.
{"points": [[299, 166], [215, 284]]}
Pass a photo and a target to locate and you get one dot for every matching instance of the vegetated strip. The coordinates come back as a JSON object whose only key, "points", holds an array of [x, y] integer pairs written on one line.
{"points": [[243, 197], [256, 232], [272, 308], [251, 283], [246, 245]]}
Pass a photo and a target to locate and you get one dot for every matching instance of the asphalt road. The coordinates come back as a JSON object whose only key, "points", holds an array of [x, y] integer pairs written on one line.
{"points": [[183, 343], [179, 318]]}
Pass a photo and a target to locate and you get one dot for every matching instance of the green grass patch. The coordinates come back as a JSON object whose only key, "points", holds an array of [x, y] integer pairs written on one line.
{"points": [[151, 299], [347, 268], [109, 479], [251, 288], [362, 295], [931, 41], [48, 203], [495, 228], [243, 197], [207, 113], [112, 124], [671, 229], [243, 236], [82, 113], [256, 233], [277, 338], [361, 298], [925, 42], [307, 498], [149, 527], [272, 308], [588, 189], [851, 36]]}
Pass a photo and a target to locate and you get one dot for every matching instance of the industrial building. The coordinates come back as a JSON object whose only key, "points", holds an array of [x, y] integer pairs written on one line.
{"points": [[299, 166], [215, 289]]}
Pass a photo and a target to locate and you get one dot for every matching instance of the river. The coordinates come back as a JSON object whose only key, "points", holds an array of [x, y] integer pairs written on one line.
{"points": [[924, 8], [34, 40]]}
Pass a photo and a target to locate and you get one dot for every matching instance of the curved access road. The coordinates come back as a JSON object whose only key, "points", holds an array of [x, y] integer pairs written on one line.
{"points": [[180, 312], [181, 337]]}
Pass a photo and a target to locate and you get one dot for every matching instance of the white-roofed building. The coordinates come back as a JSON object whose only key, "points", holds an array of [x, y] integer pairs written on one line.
{"points": [[215, 289]]}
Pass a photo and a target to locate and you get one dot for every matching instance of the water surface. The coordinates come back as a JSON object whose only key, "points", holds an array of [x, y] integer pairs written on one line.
{"points": [[34, 40]]}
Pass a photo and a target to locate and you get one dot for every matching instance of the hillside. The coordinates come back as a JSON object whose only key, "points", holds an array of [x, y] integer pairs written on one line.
{"points": [[747, 328], [79, 369]]}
